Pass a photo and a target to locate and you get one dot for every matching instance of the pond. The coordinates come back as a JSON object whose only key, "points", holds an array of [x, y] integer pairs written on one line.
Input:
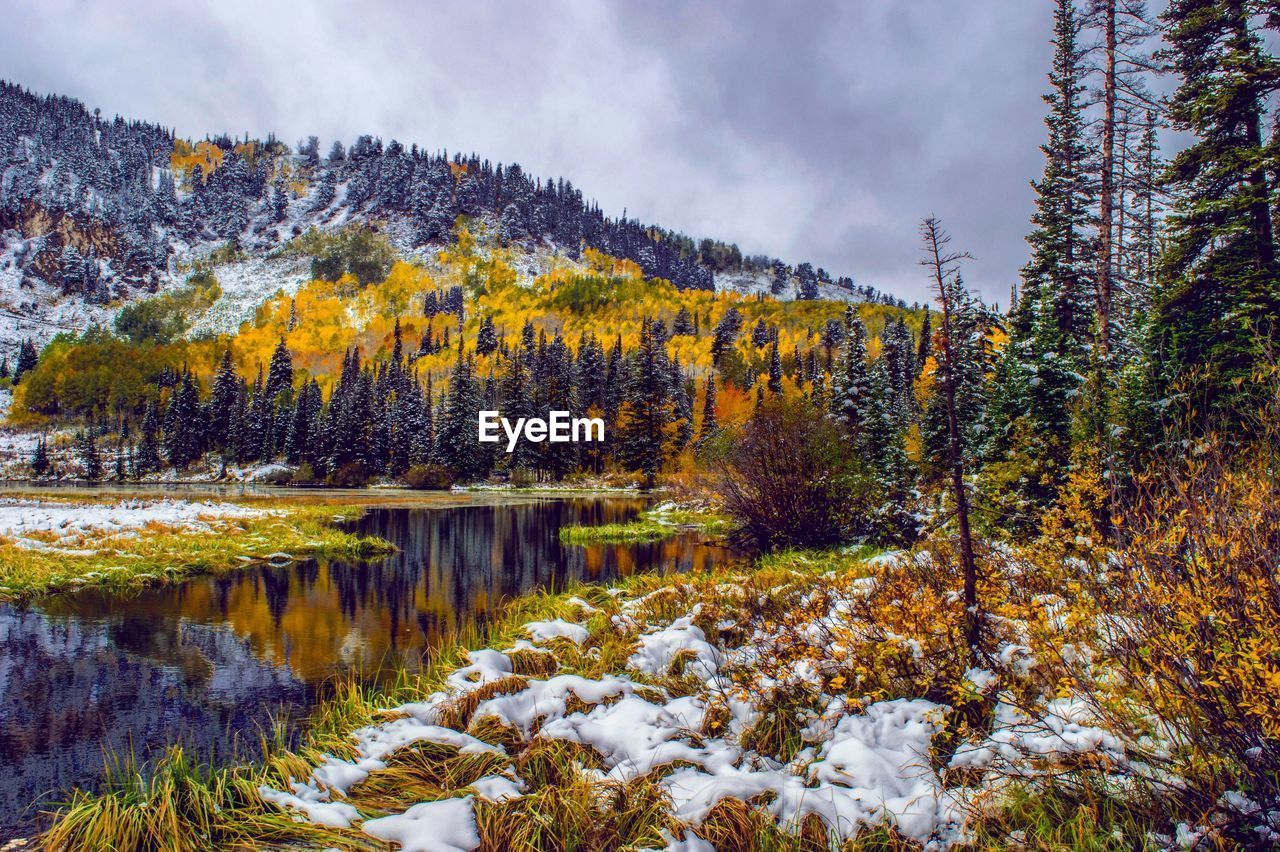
{"points": [[209, 663]]}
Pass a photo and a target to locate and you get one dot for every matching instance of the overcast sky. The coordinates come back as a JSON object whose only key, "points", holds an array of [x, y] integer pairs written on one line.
{"points": [[816, 131]]}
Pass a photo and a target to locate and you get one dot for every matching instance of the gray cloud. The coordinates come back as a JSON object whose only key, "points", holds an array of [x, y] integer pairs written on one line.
{"points": [[820, 131]]}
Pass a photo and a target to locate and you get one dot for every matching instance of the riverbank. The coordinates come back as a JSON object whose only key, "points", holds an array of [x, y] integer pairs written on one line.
{"points": [[804, 700], [51, 543]]}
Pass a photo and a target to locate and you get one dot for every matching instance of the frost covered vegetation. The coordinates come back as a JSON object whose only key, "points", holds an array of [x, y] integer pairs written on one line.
{"points": [[57, 544]]}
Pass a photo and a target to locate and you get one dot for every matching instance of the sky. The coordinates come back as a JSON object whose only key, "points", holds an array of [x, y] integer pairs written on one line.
{"points": [[820, 131]]}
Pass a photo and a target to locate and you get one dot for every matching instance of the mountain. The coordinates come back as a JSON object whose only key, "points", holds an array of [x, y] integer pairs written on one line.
{"points": [[95, 213]]}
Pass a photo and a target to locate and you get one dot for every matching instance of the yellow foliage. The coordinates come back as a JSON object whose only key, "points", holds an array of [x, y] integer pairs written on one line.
{"points": [[185, 157]]}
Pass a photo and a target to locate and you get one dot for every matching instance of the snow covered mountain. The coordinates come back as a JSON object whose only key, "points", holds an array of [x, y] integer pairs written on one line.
{"points": [[95, 213]]}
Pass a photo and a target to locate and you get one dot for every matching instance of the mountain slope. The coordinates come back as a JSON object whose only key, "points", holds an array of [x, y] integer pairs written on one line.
{"points": [[96, 212]]}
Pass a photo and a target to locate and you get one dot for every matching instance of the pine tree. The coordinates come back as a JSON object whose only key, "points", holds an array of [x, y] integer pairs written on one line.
{"points": [[849, 397], [1220, 288], [725, 335], [27, 360], [708, 409], [184, 433], [149, 449], [87, 453], [957, 364], [486, 337], [40, 460], [456, 444], [775, 370], [647, 409], [760, 335], [222, 404], [1060, 269]]}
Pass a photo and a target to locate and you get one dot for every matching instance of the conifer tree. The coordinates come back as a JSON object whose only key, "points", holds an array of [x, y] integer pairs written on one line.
{"points": [[647, 409], [149, 448], [849, 396], [775, 370], [40, 460], [708, 409], [486, 337], [26, 362], [184, 432], [87, 453], [1219, 292]]}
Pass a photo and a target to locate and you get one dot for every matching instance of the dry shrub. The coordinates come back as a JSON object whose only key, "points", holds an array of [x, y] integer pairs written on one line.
{"points": [[1198, 609], [788, 477]]}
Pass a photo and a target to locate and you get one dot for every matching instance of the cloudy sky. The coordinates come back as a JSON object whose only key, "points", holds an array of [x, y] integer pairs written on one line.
{"points": [[820, 131]]}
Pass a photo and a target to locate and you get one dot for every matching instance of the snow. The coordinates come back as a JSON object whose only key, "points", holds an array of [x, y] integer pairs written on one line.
{"points": [[313, 804], [22, 519], [863, 766], [498, 788], [659, 649], [545, 631], [448, 825]]}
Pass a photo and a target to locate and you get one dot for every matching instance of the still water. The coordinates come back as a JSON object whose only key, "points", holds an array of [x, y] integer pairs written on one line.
{"points": [[208, 663]]}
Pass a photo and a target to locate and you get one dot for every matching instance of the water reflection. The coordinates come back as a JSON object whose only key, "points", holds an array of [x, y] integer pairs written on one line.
{"points": [[208, 662]]}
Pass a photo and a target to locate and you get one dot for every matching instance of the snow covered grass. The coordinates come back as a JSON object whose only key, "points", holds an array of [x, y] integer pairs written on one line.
{"points": [[50, 544], [813, 700]]}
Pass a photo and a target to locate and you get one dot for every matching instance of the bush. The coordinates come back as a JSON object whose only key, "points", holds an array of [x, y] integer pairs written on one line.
{"points": [[350, 475], [304, 475], [788, 478], [429, 477]]}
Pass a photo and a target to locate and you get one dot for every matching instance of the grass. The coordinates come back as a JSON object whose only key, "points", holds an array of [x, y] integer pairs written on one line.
{"points": [[651, 525], [158, 553], [180, 805]]}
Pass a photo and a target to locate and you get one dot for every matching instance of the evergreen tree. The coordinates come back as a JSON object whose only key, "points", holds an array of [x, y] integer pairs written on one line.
{"points": [[708, 409], [148, 460], [87, 454], [222, 404], [849, 397], [456, 444], [40, 460], [26, 362], [647, 409], [1219, 295], [725, 334], [182, 427], [486, 337], [775, 370]]}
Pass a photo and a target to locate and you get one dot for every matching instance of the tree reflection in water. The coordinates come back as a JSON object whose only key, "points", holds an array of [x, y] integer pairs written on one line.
{"points": [[208, 662]]}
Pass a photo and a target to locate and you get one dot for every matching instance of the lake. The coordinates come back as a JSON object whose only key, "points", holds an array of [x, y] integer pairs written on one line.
{"points": [[211, 661]]}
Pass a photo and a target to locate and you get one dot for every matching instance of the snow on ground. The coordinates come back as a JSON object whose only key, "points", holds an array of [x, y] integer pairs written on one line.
{"points": [[30, 308], [32, 523], [863, 767], [245, 285]]}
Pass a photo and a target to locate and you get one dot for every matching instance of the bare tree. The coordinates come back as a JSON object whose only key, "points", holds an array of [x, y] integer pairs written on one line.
{"points": [[944, 267]]}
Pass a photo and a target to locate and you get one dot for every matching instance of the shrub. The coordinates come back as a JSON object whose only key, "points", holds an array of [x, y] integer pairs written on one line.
{"points": [[788, 478], [429, 477], [350, 475], [304, 475]]}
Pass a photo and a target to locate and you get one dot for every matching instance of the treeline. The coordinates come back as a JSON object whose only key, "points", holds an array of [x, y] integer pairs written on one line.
{"points": [[59, 159], [392, 417]]}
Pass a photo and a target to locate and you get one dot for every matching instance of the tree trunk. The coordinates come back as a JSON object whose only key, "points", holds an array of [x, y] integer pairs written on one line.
{"points": [[1107, 188], [972, 618]]}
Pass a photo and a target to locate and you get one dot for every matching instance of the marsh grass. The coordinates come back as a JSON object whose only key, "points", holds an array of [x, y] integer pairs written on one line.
{"points": [[158, 553], [651, 525]]}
